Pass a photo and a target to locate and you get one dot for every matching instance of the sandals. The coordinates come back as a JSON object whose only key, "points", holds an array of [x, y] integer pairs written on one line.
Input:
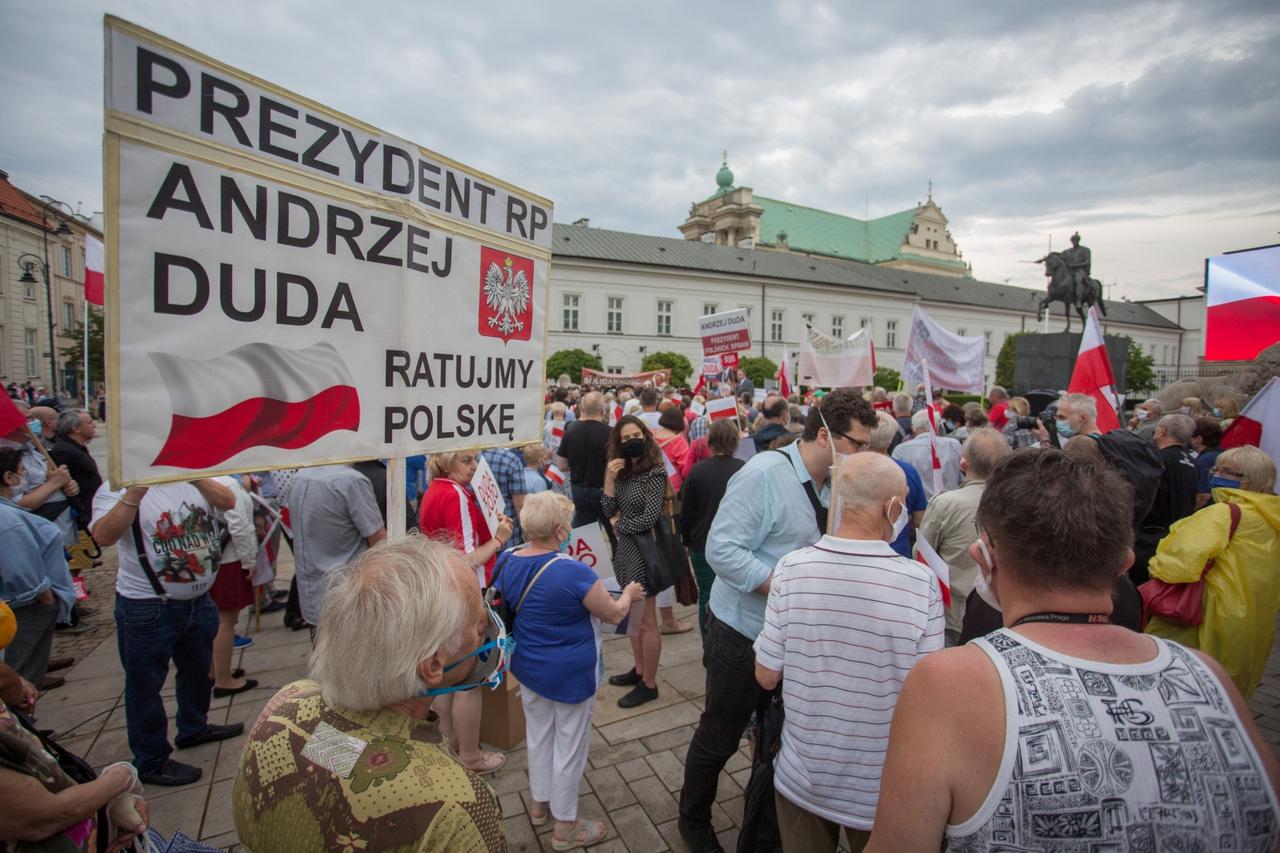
{"points": [[584, 835], [679, 628], [540, 819], [490, 762]]}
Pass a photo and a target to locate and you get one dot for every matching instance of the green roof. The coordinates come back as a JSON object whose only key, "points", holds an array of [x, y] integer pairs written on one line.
{"points": [[824, 233]]}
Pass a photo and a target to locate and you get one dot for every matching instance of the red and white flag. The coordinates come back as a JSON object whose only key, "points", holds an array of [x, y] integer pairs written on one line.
{"points": [[1259, 423], [935, 460], [1092, 374], [615, 414], [11, 418], [555, 475], [1242, 304], [256, 395], [784, 377], [722, 407], [95, 264], [925, 554]]}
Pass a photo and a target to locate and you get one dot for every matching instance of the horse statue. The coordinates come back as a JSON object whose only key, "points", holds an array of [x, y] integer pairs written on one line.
{"points": [[1063, 287]]}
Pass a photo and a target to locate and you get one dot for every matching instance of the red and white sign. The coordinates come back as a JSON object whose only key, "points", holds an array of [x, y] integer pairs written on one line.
{"points": [[590, 376], [95, 264], [728, 331], [957, 362], [1242, 304], [1259, 423], [555, 475], [506, 295], [488, 494], [722, 407], [729, 360], [711, 365], [925, 554], [1092, 373], [784, 377], [587, 544]]}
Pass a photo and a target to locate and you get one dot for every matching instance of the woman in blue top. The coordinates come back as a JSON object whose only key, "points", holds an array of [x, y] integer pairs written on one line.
{"points": [[557, 659]]}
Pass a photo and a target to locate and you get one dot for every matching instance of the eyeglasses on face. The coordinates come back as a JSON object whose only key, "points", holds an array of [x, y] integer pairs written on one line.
{"points": [[1226, 472], [857, 443]]}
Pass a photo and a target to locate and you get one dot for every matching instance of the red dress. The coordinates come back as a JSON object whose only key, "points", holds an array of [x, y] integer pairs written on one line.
{"points": [[450, 510]]}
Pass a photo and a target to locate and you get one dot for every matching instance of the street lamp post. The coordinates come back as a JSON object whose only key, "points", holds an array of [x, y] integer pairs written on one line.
{"points": [[27, 262]]}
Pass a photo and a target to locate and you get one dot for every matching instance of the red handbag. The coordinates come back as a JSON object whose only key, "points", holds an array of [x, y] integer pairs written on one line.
{"points": [[1181, 603]]}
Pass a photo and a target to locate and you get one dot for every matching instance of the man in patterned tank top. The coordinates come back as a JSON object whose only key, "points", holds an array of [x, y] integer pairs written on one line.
{"points": [[1061, 731]]}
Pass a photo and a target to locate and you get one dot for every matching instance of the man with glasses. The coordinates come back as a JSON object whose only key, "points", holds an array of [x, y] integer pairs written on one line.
{"points": [[777, 503]]}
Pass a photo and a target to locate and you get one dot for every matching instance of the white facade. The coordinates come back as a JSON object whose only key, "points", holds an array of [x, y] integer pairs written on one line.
{"points": [[588, 292]]}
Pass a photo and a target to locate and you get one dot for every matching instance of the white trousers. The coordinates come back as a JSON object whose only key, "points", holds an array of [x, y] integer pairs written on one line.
{"points": [[558, 736]]}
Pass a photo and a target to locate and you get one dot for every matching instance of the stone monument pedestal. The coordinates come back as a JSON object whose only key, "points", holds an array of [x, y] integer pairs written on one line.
{"points": [[1044, 362]]}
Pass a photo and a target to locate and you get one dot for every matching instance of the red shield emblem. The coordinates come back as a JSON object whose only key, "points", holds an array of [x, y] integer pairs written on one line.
{"points": [[506, 295]]}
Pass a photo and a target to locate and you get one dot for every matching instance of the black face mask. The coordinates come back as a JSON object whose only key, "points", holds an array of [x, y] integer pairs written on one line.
{"points": [[633, 448]]}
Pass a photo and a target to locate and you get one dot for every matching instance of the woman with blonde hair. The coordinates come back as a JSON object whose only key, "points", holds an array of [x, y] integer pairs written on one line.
{"points": [[451, 512], [1240, 533], [557, 660]]}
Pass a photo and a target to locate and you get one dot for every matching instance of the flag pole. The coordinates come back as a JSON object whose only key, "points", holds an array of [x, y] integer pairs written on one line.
{"points": [[86, 356], [396, 470]]}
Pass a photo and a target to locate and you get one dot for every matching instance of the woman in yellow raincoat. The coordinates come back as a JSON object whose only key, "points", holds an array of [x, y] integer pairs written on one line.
{"points": [[1242, 590]]}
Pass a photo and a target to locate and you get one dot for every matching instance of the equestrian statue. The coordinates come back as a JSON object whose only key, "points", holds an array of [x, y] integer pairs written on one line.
{"points": [[1069, 282]]}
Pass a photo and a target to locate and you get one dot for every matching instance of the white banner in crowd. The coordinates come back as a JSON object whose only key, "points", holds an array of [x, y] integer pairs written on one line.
{"points": [[827, 362], [587, 544], [488, 493], [287, 286], [726, 332], [955, 362]]}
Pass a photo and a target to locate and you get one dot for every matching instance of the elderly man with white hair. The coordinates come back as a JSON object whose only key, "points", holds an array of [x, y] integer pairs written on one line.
{"points": [[1145, 415], [918, 453], [847, 618], [353, 758], [1077, 414]]}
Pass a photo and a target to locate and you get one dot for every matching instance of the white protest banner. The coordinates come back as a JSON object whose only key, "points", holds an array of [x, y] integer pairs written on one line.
{"points": [[827, 362], [288, 286], [711, 366], [955, 362], [697, 408], [630, 624], [488, 494], [758, 396], [587, 544], [728, 331]]}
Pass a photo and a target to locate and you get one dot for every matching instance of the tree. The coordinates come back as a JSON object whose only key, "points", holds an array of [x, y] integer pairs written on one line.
{"points": [[1140, 375], [681, 367], [571, 361], [1004, 360], [758, 369], [74, 352], [887, 378]]}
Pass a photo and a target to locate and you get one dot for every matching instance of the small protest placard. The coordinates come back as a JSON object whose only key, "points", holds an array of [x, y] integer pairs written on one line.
{"points": [[587, 544], [485, 485], [630, 625]]}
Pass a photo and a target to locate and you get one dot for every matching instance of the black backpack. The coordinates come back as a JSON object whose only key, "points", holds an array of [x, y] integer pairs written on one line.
{"points": [[1137, 460]]}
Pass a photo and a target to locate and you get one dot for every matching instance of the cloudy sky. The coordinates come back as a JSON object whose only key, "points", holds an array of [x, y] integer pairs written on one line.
{"points": [[1153, 128]]}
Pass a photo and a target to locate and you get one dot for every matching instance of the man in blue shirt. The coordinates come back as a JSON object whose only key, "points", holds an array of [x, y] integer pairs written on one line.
{"points": [[34, 579], [508, 469], [775, 505]]}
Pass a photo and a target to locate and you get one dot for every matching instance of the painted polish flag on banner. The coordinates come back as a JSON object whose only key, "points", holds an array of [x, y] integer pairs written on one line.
{"points": [[95, 263], [784, 377], [1242, 304], [1259, 423], [722, 407], [256, 395], [925, 554], [1092, 374], [555, 475]]}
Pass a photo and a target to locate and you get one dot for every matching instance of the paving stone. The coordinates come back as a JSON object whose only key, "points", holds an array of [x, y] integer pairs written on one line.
{"points": [[520, 834], [511, 804], [217, 812], [728, 838], [669, 769], [636, 768], [636, 830], [651, 723], [509, 783], [225, 841], [656, 799], [181, 810], [737, 761], [739, 777], [728, 785], [608, 755], [732, 809], [720, 819], [608, 785], [670, 832], [676, 739], [78, 719]]}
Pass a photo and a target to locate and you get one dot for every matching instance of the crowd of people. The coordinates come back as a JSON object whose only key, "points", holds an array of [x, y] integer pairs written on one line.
{"points": [[1023, 699]]}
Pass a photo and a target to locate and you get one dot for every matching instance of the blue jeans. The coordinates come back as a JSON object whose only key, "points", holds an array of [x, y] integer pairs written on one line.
{"points": [[151, 632]]}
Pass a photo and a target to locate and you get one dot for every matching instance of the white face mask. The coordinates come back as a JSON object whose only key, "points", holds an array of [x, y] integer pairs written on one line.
{"points": [[900, 523]]}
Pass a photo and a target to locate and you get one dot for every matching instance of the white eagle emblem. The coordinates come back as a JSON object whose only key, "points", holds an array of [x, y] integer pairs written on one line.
{"points": [[507, 296]]}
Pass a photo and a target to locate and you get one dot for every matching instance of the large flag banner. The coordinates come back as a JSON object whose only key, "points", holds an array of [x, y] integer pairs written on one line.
{"points": [[94, 266], [289, 286], [728, 331], [956, 362], [1259, 423], [1092, 373], [1242, 303], [827, 362]]}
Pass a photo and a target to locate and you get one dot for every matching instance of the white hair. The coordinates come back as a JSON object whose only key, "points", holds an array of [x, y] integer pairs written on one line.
{"points": [[1081, 404], [902, 404], [543, 512], [920, 422], [883, 433], [1178, 426], [982, 450], [397, 605]]}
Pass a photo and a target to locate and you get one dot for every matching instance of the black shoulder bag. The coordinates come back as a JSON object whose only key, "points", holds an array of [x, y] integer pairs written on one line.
{"points": [[819, 511]]}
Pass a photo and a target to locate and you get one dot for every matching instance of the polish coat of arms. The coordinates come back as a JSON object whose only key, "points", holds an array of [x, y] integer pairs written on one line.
{"points": [[506, 295]]}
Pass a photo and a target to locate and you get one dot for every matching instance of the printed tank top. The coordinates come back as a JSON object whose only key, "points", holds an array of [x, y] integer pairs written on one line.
{"points": [[1098, 757]]}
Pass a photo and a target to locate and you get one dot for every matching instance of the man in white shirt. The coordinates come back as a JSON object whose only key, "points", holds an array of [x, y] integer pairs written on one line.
{"points": [[846, 620], [916, 452]]}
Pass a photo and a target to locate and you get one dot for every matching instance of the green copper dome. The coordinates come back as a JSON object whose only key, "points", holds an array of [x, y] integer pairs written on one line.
{"points": [[724, 177]]}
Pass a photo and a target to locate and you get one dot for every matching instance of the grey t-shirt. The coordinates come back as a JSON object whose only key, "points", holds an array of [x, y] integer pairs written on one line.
{"points": [[332, 511]]}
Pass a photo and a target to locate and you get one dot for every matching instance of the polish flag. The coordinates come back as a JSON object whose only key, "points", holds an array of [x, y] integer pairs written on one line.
{"points": [[256, 395], [557, 429], [935, 460], [1242, 304], [615, 415], [1259, 423], [555, 475], [10, 418], [722, 407], [94, 265], [784, 378], [925, 554], [1092, 373]]}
